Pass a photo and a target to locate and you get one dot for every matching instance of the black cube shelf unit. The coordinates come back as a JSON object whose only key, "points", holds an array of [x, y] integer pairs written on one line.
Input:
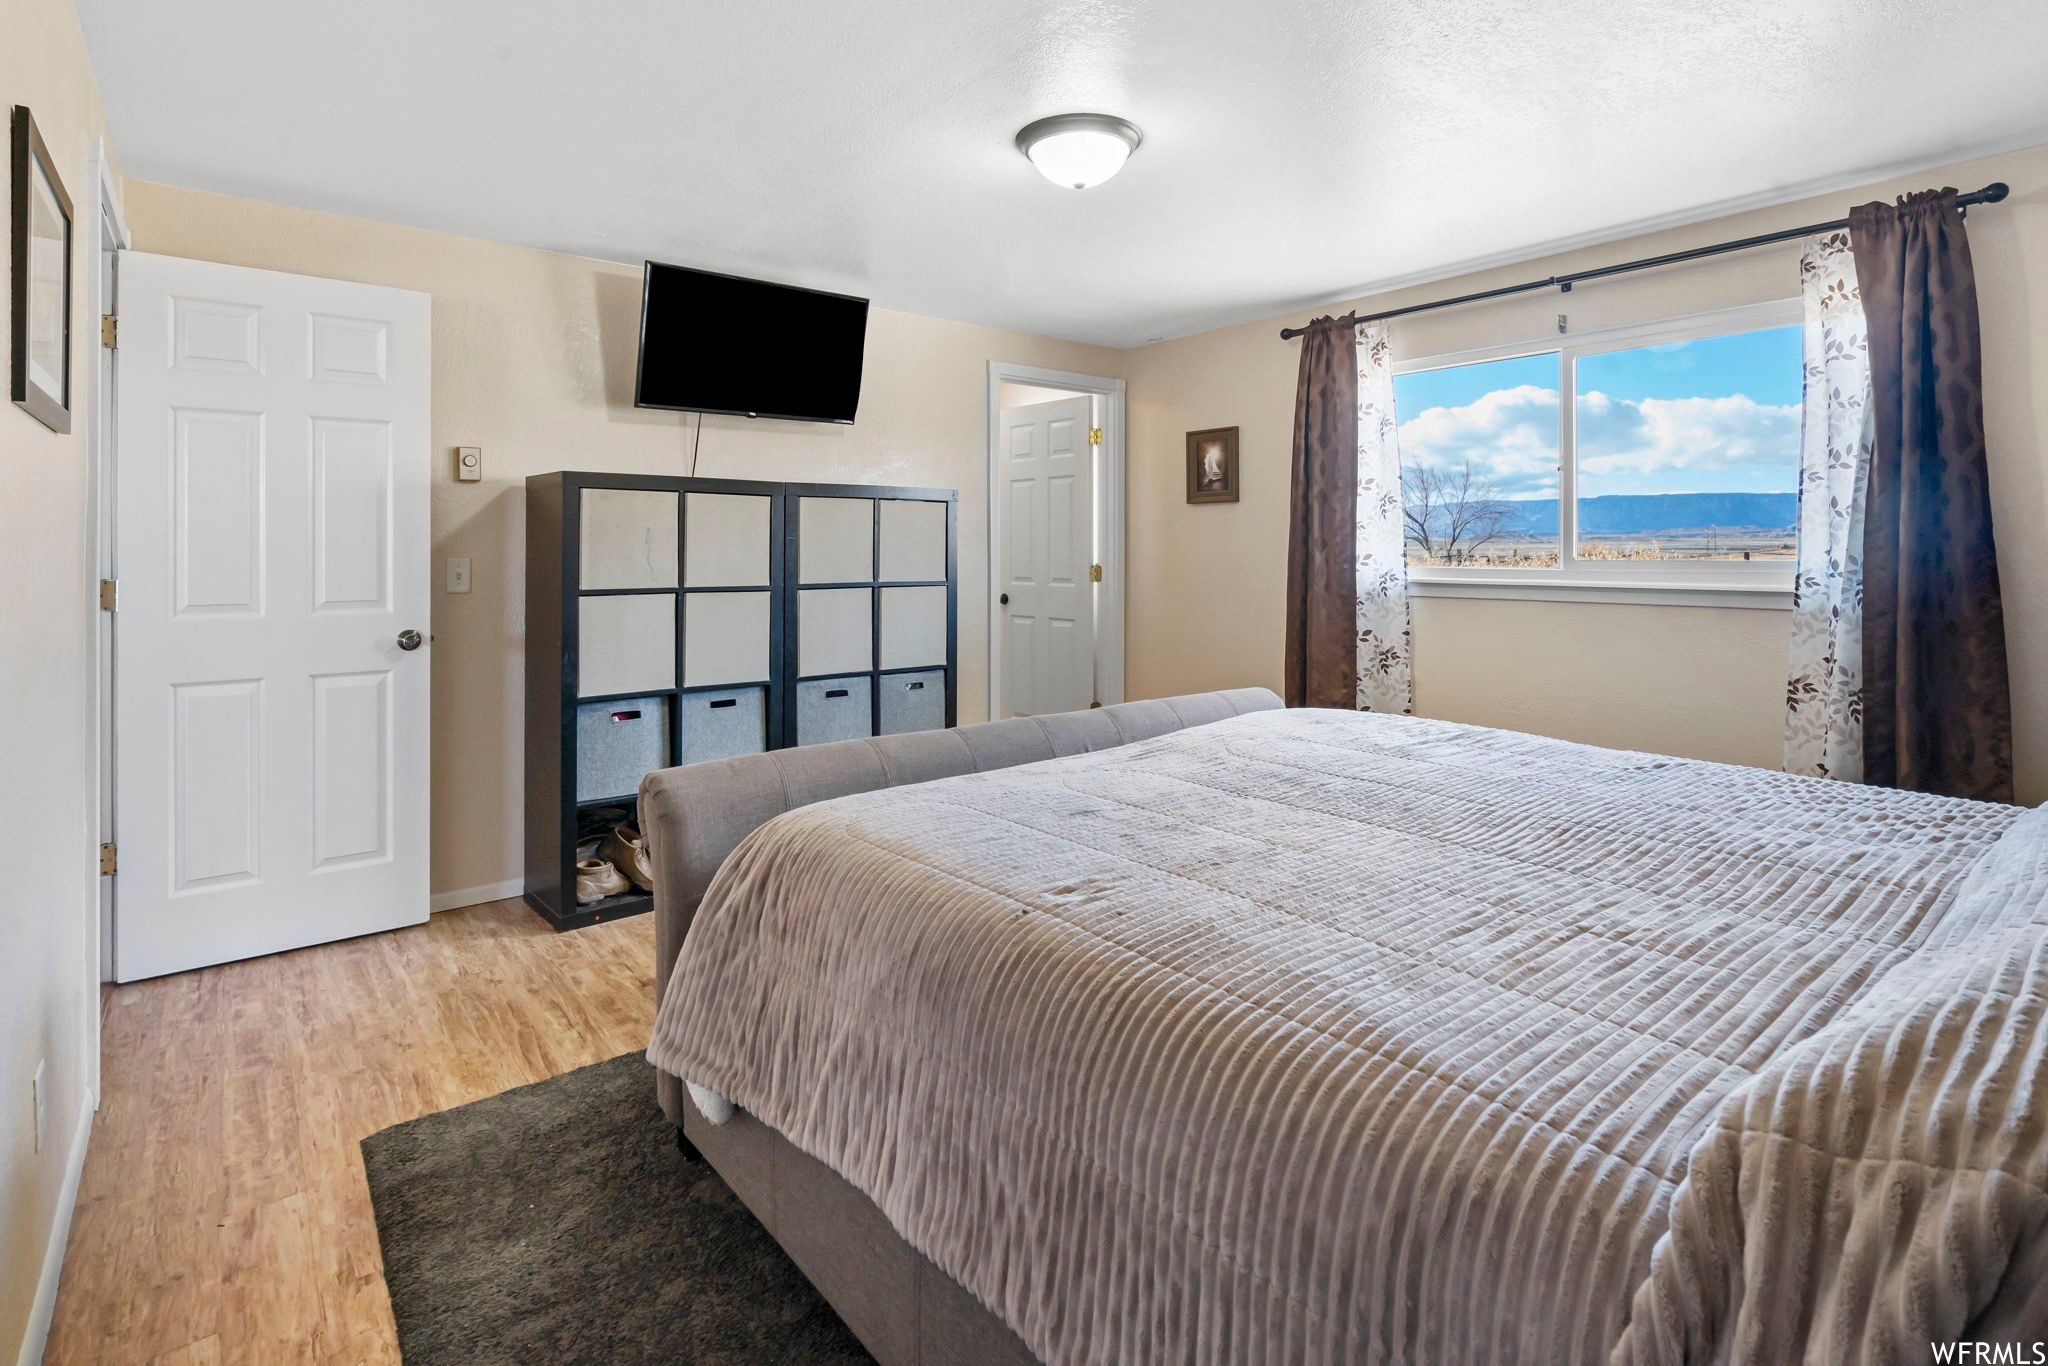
{"points": [[673, 621]]}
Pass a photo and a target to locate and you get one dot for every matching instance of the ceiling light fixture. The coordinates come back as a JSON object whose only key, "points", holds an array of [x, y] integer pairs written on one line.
{"points": [[1079, 150]]}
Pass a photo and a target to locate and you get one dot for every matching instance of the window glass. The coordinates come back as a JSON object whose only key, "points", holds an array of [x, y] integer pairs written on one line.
{"points": [[1479, 452], [1689, 450]]}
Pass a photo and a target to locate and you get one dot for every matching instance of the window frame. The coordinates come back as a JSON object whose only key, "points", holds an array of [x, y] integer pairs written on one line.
{"points": [[1692, 583]]}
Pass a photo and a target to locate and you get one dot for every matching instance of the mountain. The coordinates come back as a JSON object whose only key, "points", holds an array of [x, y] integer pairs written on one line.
{"points": [[1642, 514]]}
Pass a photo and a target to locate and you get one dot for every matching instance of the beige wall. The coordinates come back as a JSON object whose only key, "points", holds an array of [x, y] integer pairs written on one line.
{"points": [[533, 361], [1206, 605], [1012, 395], [48, 913]]}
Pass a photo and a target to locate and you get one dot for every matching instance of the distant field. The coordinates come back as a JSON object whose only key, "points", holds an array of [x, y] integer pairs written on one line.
{"points": [[1715, 543]]}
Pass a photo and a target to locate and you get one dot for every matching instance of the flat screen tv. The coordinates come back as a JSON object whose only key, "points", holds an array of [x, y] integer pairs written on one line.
{"points": [[720, 344]]}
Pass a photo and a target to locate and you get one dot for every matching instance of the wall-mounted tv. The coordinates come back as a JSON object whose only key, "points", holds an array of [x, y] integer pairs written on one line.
{"points": [[720, 344]]}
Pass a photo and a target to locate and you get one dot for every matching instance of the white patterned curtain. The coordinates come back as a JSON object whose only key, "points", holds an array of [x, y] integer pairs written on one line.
{"points": [[1384, 675], [1824, 692]]}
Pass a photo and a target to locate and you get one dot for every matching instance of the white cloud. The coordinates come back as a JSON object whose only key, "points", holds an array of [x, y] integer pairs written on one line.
{"points": [[1658, 435], [1512, 434], [1509, 433]]}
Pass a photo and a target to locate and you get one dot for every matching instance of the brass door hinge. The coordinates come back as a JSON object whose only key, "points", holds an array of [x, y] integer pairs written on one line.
{"points": [[108, 859], [110, 330], [1095, 573], [1094, 433], [110, 594]]}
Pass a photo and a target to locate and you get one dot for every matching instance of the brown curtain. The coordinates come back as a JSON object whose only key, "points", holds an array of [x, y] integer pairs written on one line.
{"points": [[1321, 665], [1936, 713]]}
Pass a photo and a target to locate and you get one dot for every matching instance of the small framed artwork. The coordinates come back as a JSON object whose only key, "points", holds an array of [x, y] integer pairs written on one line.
{"points": [[1212, 465], [41, 306]]}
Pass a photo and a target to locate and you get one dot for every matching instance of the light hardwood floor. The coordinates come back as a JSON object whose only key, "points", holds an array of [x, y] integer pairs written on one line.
{"points": [[223, 1216]]}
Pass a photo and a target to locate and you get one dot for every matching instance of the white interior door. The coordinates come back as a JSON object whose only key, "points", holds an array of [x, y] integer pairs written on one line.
{"points": [[1046, 602], [271, 473]]}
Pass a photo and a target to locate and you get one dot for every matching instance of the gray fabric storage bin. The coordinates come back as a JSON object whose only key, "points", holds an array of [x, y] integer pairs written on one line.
{"points": [[913, 701], [721, 725], [618, 744], [833, 709]]}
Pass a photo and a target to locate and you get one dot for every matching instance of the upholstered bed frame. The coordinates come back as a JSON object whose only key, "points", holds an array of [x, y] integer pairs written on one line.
{"points": [[902, 1307]]}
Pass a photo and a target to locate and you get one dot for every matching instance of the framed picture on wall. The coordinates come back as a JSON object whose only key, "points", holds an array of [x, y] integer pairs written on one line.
{"points": [[1212, 465], [40, 375]]}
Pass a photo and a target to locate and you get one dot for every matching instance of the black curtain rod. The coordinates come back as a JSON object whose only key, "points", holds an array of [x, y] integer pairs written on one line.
{"points": [[1990, 194]]}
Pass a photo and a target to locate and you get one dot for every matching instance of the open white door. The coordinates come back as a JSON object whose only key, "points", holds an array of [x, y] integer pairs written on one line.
{"points": [[1046, 602], [272, 548]]}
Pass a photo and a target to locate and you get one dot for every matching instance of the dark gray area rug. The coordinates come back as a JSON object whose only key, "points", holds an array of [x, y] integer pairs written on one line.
{"points": [[558, 1224]]}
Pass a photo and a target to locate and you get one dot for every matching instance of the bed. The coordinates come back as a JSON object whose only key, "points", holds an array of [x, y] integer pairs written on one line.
{"points": [[1242, 1035]]}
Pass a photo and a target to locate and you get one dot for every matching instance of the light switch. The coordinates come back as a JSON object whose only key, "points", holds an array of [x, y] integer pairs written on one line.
{"points": [[458, 575], [469, 468]]}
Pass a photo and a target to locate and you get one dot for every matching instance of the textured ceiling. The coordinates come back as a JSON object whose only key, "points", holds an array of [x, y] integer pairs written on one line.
{"points": [[1294, 152]]}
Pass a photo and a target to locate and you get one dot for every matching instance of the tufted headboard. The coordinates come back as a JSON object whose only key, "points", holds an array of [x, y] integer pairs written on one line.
{"points": [[693, 816]]}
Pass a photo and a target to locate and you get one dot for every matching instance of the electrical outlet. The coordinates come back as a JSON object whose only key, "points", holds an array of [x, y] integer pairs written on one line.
{"points": [[36, 1089], [458, 575]]}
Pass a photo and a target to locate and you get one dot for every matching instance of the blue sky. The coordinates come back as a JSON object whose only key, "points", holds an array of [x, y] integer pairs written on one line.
{"points": [[1461, 384], [1717, 415]]}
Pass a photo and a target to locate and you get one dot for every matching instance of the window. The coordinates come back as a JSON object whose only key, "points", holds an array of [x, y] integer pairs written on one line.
{"points": [[1479, 463], [1675, 462]]}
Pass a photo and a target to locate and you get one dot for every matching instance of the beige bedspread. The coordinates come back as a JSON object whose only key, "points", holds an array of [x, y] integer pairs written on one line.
{"points": [[1325, 1037]]}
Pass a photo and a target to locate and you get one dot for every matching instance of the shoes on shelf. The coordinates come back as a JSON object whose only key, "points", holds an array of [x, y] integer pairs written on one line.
{"points": [[628, 852], [596, 879], [595, 822]]}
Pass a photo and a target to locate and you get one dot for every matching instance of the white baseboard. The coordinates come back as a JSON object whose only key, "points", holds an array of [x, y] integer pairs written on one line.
{"points": [[475, 896], [45, 1303]]}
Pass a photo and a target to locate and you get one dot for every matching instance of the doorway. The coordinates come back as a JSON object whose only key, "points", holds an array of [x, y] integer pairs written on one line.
{"points": [[1056, 540]]}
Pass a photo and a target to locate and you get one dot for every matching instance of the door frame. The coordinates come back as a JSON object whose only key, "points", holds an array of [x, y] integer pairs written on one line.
{"points": [[1110, 485], [110, 236]]}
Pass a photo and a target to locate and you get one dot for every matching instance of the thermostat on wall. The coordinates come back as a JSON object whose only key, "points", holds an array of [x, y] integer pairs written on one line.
{"points": [[469, 463]]}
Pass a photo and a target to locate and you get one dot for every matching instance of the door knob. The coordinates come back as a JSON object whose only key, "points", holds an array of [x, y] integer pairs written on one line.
{"points": [[409, 640], [1004, 600]]}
